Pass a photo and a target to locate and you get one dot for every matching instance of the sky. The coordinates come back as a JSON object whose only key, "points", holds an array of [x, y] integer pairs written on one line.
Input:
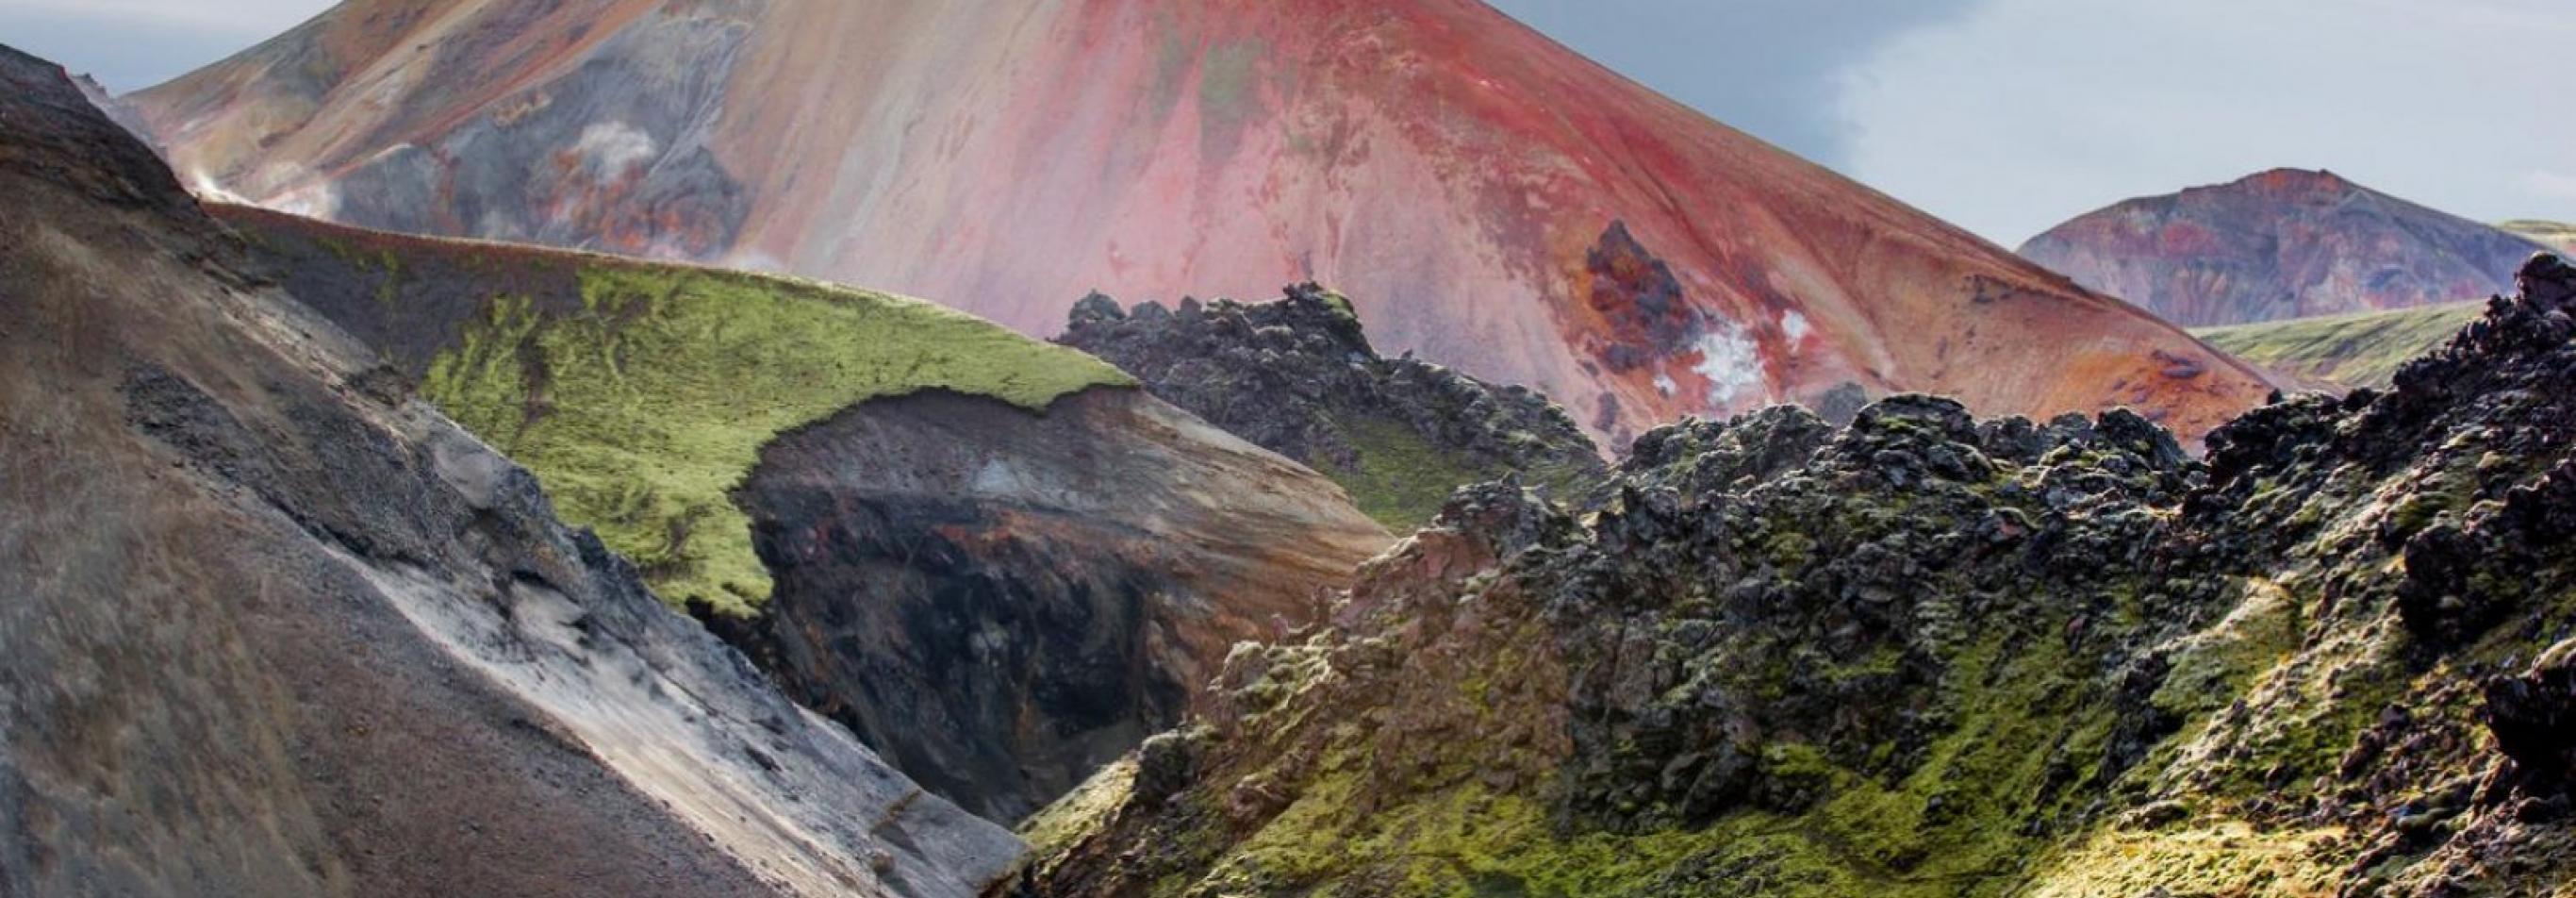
{"points": [[2005, 116]]}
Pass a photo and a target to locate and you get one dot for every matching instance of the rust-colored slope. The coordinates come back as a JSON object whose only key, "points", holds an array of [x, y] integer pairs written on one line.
{"points": [[1495, 201]]}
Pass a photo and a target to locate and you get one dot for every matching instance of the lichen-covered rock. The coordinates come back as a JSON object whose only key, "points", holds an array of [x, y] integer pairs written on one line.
{"points": [[1927, 655], [1297, 376]]}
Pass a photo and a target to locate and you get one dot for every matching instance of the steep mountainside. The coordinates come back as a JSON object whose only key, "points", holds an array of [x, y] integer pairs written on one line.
{"points": [[1492, 200], [273, 627], [2556, 235], [2281, 244], [1930, 656], [993, 559], [2343, 352], [640, 392], [1298, 377]]}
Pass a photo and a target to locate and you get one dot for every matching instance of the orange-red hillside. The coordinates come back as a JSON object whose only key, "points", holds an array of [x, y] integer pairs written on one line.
{"points": [[1489, 198]]}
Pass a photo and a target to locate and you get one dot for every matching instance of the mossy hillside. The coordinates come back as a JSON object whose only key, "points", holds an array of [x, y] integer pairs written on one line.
{"points": [[1934, 758], [2362, 350], [1930, 656], [644, 407], [1401, 479], [2551, 233], [1958, 825]]}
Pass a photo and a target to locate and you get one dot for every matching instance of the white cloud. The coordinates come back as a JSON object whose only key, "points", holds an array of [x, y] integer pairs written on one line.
{"points": [[2028, 112]]}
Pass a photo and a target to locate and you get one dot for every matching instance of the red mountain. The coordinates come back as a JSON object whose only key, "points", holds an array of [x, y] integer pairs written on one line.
{"points": [[2282, 244], [1487, 197]]}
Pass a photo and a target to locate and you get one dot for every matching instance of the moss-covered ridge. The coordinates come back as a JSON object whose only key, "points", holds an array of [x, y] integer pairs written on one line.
{"points": [[2344, 351], [1931, 656], [641, 393]]}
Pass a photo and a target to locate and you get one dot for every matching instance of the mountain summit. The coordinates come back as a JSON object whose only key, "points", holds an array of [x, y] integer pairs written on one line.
{"points": [[2281, 244], [1493, 200]]}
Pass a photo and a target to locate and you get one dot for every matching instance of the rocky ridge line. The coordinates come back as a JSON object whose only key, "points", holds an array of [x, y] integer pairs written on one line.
{"points": [[1927, 655]]}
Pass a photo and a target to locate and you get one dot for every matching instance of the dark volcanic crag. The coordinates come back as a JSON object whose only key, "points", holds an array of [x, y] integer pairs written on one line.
{"points": [[1003, 601], [1297, 376], [1926, 655], [271, 626]]}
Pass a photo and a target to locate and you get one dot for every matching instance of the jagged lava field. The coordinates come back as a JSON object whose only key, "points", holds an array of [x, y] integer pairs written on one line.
{"points": [[1486, 197], [1927, 654]]}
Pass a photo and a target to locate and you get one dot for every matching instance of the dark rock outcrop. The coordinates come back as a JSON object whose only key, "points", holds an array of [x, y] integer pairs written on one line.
{"points": [[1002, 601], [273, 627], [1930, 655], [1297, 376]]}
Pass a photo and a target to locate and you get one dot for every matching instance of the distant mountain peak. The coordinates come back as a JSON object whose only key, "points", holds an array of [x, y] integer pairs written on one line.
{"points": [[2280, 244]]}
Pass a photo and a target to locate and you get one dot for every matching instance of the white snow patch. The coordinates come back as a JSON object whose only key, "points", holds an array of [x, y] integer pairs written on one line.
{"points": [[610, 148], [1732, 362], [1664, 383], [1795, 325]]}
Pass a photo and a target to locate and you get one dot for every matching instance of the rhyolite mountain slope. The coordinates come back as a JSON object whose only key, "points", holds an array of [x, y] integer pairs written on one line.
{"points": [[1490, 199], [997, 561], [1297, 376], [1928, 655], [2281, 244], [2344, 352], [274, 627]]}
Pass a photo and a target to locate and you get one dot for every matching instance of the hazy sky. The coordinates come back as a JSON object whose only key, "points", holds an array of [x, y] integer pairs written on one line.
{"points": [[2005, 116]]}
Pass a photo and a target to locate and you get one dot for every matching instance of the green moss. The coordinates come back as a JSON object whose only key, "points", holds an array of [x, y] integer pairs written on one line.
{"points": [[644, 409], [2551, 233], [1402, 480], [2218, 858], [1958, 823], [2347, 350], [1469, 841], [1060, 824], [2213, 668]]}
